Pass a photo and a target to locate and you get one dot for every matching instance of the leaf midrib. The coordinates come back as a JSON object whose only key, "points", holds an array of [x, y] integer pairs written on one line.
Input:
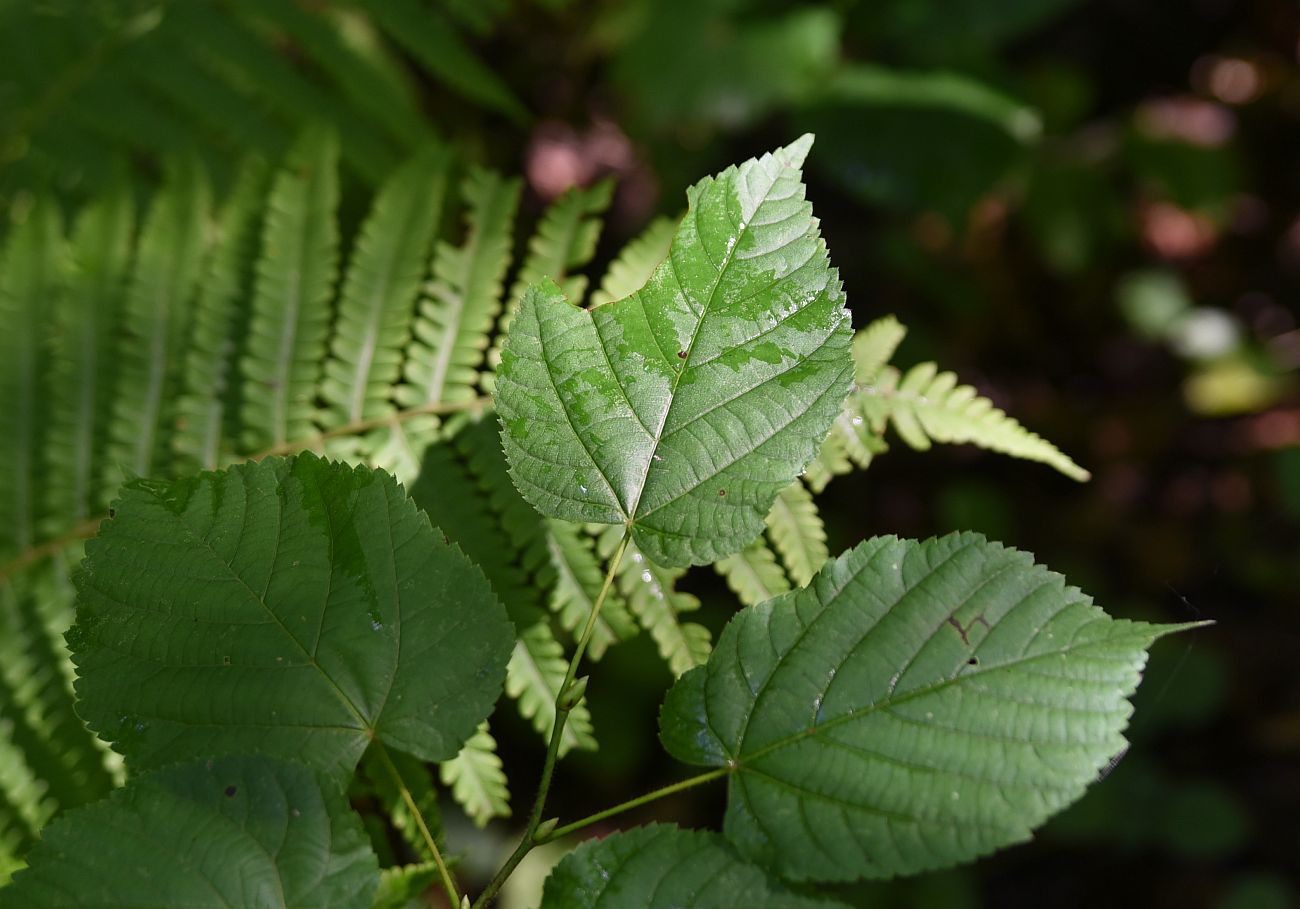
{"points": [[739, 763]]}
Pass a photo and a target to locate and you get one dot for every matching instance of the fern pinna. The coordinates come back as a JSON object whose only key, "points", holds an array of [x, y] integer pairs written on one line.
{"points": [[206, 331]]}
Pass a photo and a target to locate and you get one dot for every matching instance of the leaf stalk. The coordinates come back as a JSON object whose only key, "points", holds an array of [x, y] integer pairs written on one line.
{"points": [[564, 704]]}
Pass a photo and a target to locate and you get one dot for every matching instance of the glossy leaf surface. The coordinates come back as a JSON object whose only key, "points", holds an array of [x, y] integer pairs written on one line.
{"points": [[292, 607], [684, 408], [249, 832], [917, 705]]}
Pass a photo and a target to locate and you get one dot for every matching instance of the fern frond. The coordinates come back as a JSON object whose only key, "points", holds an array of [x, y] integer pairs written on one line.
{"points": [[417, 776], [212, 106], [578, 579], [926, 405], [293, 287], [753, 574], [637, 261], [82, 390], [430, 38], [798, 533], [458, 499], [480, 445], [463, 299], [163, 281], [564, 241], [658, 605], [30, 284], [25, 806], [205, 411], [874, 347], [533, 678], [387, 103], [477, 781], [36, 699], [264, 75], [378, 296], [831, 461]]}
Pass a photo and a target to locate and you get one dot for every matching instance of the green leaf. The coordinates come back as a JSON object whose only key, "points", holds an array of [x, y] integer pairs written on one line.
{"points": [[665, 867], [476, 779], [295, 283], [684, 409], [798, 533], [306, 608], [918, 705], [272, 834]]}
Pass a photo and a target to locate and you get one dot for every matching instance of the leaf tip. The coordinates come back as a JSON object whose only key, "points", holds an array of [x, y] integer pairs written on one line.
{"points": [[794, 154]]}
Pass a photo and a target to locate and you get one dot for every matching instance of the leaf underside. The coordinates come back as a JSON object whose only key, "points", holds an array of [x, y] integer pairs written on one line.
{"points": [[683, 409], [293, 607], [918, 705]]}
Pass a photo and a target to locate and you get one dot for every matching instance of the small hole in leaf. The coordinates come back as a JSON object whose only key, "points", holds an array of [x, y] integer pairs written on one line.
{"points": [[722, 492], [973, 661], [681, 355], [230, 791]]}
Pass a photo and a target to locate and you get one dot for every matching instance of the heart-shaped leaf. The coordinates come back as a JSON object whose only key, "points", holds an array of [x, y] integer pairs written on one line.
{"points": [[234, 831], [683, 409], [293, 607], [665, 867], [917, 705]]}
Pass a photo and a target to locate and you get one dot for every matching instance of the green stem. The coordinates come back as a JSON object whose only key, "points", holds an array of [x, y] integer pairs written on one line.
{"points": [[448, 884], [564, 704], [635, 803]]}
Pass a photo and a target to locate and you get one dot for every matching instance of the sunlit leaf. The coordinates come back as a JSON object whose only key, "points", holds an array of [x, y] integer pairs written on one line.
{"points": [[683, 409]]}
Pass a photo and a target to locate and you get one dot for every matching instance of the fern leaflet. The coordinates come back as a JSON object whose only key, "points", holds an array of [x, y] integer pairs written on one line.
{"points": [[753, 574], [476, 779], [653, 598], [205, 410], [533, 678], [29, 274], [925, 405], [578, 578], [383, 277], [87, 317], [295, 279], [797, 531]]}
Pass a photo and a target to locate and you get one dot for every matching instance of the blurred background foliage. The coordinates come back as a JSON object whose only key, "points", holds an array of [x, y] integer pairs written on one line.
{"points": [[1090, 210]]}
